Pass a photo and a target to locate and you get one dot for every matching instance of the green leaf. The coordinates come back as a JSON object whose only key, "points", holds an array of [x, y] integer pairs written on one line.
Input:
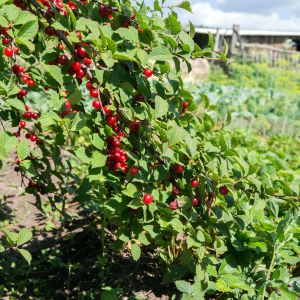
{"points": [[191, 145], [24, 236], [124, 56], [175, 135], [161, 107], [57, 25], [28, 30], [55, 73], [185, 5], [135, 251], [173, 24], [131, 191], [160, 53], [15, 103], [11, 11], [130, 34], [184, 287], [98, 160], [26, 255], [192, 30], [23, 150]]}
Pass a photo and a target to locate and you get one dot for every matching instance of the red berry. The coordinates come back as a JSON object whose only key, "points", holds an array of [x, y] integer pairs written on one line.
{"points": [[16, 50], [27, 115], [133, 171], [35, 115], [18, 161], [148, 73], [110, 17], [24, 78], [76, 66], [195, 183], [178, 168], [111, 120], [33, 138], [63, 59], [68, 105], [176, 190], [30, 82], [28, 135], [17, 69], [104, 10], [22, 93], [185, 105], [4, 31], [5, 41], [80, 74], [133, 17], [26, 107], [81, 52], [195, 202], [126, 23], [148, 199], [8, 52], [50, 31], [72, 5], [97, 104], [134, 126], [173, 205], [22, 124], [108, 111], [89, 85], [140, 30], [94, 93], [78, 34], [87, 61], [223, 190], [139, 98]]}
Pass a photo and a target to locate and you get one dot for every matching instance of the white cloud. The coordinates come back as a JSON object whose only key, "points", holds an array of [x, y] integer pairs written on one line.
{"points": [[206, 15]]}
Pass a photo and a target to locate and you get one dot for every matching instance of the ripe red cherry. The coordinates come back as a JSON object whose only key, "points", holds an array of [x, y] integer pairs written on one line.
{"points": [[22, 124], [176, 190], [67, 105], [72, 5], [30, 82], [133, 171], [140, 30], [24, 78], [63, 59], [110, 17], [87, 61], [17, 69], [80, 74], [111, 120], [27, 115], [178, 168], [18, 161], [107, 110], [185, 105], [78, 34], [126, 23], [50, 31], [97, 104], [4, 31], [195, 202], [148, 73], [16, 50], [148, 199], [133, 17], [223, 190], [139, 98], [26, 107], [22, 93], [173, 205], [104, 10], [5, 41], [76, 66], [33, 138], [89, 85], [94, 93], [134, 126], [195, 183], [81, 52], [28, 135], [34, 115], [9, 52]]}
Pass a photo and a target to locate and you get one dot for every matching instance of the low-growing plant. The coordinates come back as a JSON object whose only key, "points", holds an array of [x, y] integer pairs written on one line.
{"points": [[95, 111]]}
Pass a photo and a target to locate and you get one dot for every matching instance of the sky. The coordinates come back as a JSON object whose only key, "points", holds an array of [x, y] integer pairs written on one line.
{"points": [[250, 14]]}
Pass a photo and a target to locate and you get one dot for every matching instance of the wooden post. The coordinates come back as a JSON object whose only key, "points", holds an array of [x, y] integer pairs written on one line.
{"points": [[235, 39]]}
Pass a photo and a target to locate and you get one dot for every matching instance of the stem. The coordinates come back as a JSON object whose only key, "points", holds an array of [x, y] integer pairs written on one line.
{"points": [[269, 271]]}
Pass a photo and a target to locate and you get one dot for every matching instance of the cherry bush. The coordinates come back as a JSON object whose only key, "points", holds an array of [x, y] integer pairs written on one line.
{"points": [[94, 111]]}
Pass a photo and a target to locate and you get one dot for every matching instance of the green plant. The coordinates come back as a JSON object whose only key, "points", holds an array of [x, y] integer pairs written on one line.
{"points": [[116, 130]]}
